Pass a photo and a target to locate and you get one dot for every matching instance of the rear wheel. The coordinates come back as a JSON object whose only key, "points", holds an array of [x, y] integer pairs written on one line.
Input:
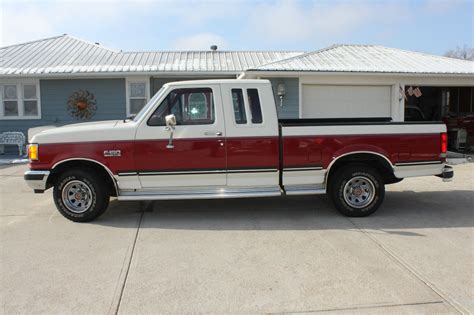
{"points": [[356, 190], [80, 195]]}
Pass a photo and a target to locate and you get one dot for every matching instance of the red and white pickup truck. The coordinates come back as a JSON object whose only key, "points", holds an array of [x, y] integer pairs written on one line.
{"points": [[222, 139]]}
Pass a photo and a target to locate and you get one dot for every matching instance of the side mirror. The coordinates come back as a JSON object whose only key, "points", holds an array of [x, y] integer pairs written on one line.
{"points": [[170, 126], [170, 121]]}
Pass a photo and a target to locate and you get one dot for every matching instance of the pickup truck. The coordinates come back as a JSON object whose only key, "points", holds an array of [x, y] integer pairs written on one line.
{"points": [[222, 139]]}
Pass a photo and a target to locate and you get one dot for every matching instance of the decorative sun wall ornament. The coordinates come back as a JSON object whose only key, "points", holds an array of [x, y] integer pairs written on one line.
{"points": [[82, 105]]}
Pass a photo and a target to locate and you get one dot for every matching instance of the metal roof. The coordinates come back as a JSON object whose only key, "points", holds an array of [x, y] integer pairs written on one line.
{"points": [[68, 55], [373, 59]]}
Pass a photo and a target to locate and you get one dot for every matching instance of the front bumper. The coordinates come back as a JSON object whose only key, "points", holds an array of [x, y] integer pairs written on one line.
{"points": [[447, 174], [37, 180]]}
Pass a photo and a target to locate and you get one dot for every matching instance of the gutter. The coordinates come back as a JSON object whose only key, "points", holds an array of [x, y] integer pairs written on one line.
{"points": [[354, 73], [120, 74]]}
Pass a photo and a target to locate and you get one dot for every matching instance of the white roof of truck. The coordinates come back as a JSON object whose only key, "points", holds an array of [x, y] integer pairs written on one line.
{"points": [[219, 81]]}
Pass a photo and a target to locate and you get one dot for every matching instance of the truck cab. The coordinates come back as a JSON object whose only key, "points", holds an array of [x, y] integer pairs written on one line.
{"points": [[222, 136]]}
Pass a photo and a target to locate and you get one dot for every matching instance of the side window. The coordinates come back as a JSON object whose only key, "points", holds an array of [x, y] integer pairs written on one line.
{"points": [[254, 104], [190, 106], [239, 106]]}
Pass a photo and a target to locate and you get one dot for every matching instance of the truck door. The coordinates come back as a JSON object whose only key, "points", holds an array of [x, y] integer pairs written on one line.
{"points": [[252, 135], [197, 156]]}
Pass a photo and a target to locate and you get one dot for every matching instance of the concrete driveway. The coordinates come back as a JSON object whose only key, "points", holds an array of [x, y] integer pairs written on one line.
{"points": [[274, 255]]}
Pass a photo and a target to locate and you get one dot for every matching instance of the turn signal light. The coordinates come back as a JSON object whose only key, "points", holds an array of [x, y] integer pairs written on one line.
{"points": [[444, 142], [33, 152]]}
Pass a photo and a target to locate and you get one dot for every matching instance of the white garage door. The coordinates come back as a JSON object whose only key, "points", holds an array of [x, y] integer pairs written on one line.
{"points": [[345, 101]]}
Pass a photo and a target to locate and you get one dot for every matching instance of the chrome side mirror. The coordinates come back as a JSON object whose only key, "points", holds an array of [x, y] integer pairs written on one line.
{"points": [[170, 126]]}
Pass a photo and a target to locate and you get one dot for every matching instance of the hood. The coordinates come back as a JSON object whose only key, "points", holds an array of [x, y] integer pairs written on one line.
{"points": [[109, 130]]}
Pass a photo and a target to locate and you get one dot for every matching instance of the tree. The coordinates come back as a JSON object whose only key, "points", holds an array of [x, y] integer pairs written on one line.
{"points": [[465, 53]]}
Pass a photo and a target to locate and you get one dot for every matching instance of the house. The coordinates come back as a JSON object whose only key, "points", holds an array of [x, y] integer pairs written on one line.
{"points": [[41, 80]]}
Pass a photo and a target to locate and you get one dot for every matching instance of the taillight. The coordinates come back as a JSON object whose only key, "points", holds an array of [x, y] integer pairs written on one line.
{"points": [[444, 142], [33, 152]]}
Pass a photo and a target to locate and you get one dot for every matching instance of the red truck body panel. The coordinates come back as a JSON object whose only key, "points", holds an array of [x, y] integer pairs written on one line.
{"points": [[242, 153]]}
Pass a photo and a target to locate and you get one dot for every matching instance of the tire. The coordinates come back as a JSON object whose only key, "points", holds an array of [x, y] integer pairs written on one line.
{"points": [[356, 190], [80, 195]]}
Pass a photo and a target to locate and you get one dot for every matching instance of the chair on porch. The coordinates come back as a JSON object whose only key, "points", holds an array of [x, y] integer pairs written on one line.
{"points": [[12, 138]]}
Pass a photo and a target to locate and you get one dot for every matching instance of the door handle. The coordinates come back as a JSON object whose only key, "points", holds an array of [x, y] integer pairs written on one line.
{"points": [[213, 133]]}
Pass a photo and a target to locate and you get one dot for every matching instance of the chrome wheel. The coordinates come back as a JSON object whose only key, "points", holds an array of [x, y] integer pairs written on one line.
{"points": [[77, 196], [359, 192]]}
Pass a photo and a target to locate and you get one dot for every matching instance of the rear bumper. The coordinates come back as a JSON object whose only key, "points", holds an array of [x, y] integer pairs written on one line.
{"points": [[37, 180], [448, 173]]}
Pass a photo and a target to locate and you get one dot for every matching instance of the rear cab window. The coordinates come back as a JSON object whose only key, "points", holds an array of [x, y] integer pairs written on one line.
{"points": [[246, 106], [255, 108], [239, 106]]}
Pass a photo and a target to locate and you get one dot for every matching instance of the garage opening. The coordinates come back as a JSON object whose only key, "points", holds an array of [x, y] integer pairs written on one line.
{"points": [[452, 105], [345, 101]]}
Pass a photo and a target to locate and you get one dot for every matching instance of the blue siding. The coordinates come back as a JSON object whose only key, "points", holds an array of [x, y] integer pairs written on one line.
{"points": [[109, 95], [290, 108]]}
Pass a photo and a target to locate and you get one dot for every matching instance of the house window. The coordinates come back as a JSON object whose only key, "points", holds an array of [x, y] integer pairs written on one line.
{"points": [[19, 100], [137, 94]]}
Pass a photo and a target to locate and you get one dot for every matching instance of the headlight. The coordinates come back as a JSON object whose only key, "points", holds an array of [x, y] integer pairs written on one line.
{"points": [[33, 152]]}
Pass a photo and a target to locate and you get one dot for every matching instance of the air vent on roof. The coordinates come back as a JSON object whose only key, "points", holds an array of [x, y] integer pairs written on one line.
{"points": [[214, 47]]}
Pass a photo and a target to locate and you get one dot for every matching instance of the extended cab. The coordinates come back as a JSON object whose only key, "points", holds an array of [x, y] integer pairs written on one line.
{"points": [[222, 139]]}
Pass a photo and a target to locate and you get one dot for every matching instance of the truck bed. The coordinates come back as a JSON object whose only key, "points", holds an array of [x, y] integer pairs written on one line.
{"points": [[312, 145]]}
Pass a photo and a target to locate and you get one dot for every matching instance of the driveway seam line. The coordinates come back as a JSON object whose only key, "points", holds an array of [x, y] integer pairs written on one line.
{"points": [[411, 270], [360, 307], [122, 289]]}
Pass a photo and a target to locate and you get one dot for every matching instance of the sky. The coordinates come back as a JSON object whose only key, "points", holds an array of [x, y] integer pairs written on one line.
{"points": [[431, 26]]}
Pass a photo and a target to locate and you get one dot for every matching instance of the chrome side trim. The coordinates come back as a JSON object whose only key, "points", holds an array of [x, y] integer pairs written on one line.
{"points": [[128, 174], [258, 170], [94, 161], [210, 193], [152, 173], [291, 169], [36, 180], [418, 163], [294, 190], [197, 172]]}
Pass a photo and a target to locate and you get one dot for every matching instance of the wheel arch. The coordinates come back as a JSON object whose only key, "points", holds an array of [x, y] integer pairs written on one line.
{"points": [[103, 170], [376, 160]]}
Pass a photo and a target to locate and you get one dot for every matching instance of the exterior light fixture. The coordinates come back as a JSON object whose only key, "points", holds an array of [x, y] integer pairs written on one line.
{"points": [[281, 92]]}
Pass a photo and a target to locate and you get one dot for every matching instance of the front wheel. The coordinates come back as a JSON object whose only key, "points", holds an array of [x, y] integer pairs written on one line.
{"points": [[80, 195], [356, 190]]}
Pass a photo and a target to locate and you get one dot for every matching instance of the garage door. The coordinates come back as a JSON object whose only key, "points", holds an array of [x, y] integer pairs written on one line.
{"points": [[345, 101]]}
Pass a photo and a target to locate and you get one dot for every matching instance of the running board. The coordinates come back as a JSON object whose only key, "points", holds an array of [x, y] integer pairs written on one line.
{"points": [[211, 193], [294, 190]]}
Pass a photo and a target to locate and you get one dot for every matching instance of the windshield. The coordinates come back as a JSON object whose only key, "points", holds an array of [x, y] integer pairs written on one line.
{"points": [[148, 105]]}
